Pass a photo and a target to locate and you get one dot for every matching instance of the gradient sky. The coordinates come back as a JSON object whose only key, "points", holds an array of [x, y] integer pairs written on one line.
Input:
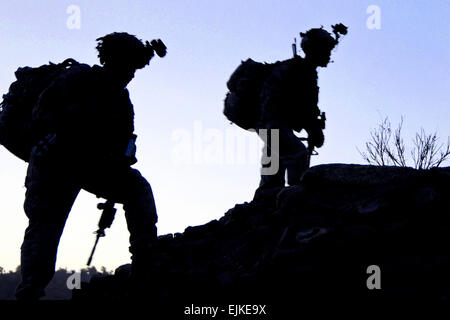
{"points": [[401, 69]]}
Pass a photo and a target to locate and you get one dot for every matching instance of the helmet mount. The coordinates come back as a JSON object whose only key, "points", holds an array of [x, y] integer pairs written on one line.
{"points": [[319, 40]]}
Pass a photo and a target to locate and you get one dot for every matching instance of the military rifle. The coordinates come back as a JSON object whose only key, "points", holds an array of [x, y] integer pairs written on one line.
{"points": [[105, 222]]}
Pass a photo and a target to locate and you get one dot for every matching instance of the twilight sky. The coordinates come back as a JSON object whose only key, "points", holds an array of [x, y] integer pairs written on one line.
{"points": [[198, 164]]}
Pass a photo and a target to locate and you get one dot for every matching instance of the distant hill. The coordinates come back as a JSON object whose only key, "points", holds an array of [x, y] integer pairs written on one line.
{"points": [[56, 290]]}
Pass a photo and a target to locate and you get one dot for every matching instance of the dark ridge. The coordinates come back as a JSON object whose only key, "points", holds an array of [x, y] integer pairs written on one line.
{"points": [[307, 243]]}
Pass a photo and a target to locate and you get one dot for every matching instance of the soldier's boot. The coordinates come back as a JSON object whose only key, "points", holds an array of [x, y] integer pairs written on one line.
{"points": [[29, 294]]}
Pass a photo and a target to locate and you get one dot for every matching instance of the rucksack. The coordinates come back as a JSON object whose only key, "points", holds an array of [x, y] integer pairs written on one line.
{"points": [[290, 87], [242, 102], [16, 132]]}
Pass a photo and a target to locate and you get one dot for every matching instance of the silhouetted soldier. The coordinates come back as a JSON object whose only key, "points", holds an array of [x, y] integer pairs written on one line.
{"points": [[87, 118], [289, 99]]}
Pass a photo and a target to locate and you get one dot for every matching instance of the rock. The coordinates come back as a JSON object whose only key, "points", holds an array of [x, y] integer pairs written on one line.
{"points": [[123, 272], [306, 236], [357, 175], [316, 239]]}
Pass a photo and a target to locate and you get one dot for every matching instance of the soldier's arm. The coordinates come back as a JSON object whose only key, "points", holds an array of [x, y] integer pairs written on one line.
{"points": [[315, 135], [313, 125], [130, 110]]}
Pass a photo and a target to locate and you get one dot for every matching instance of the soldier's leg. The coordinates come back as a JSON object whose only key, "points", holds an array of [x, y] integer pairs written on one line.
{"points": [[295, 158], [127, 186], [277, 178], [47, 204], [140, 212], [141, 217]]}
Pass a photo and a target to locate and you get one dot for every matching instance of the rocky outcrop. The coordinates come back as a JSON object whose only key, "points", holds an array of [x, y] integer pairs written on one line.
{"points": [[312, 242]]}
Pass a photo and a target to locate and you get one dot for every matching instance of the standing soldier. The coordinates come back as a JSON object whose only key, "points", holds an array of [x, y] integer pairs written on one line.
{"points": [[289, 100], [283, 96], [87, 119]]}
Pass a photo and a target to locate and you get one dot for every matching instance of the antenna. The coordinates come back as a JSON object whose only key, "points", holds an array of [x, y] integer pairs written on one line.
{"points": [[294, 48]]}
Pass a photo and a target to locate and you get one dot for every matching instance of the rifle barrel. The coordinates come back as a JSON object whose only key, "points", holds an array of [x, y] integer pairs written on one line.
{"points": [[93, 250]]}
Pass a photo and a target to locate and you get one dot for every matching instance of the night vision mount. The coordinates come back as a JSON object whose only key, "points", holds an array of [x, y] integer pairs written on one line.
{"points": [[156, 46], [338, 30]]}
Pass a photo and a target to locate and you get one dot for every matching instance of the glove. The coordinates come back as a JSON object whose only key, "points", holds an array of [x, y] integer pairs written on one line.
{"points": [[316, 137]]}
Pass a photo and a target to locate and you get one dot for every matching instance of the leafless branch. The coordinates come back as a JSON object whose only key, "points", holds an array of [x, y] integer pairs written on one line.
{"points": [[382, 150]]}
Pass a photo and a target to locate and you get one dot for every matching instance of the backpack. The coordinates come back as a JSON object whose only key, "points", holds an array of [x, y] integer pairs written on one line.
{"points": [[242, 102], [16, 132]]}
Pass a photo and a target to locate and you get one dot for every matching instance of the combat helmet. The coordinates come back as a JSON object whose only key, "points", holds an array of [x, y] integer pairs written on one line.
{"points": [[318, 40], [123, 49]]}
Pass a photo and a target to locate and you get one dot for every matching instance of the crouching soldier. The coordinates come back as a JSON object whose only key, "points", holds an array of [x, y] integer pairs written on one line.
{"points": [[87, 120]]}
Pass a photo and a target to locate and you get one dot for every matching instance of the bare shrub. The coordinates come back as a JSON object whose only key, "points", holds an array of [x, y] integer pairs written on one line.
{"points": [[386, 147]]}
